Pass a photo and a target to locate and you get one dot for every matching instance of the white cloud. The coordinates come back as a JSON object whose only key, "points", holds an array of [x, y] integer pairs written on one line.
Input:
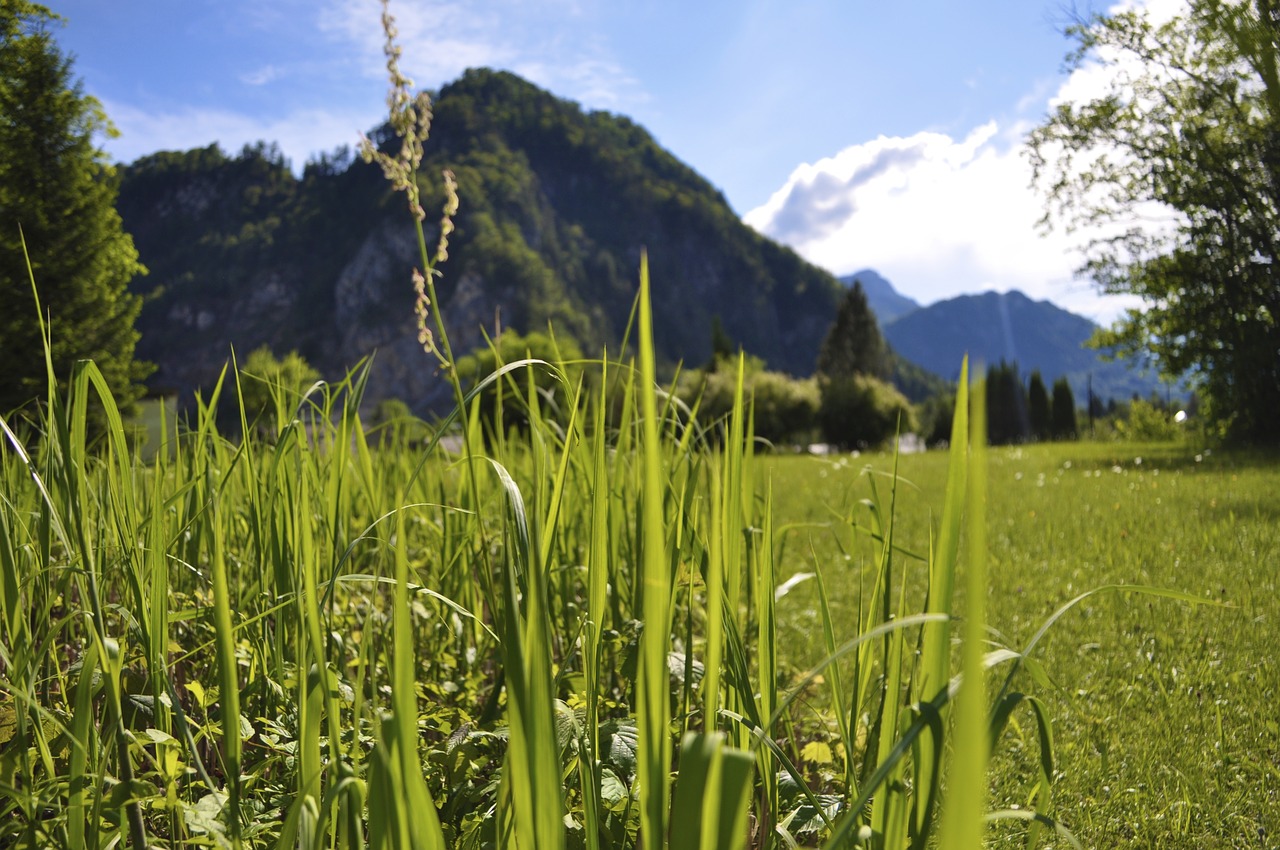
{"points": [[439, 41], [442, 38], [299, 134], [941, 216], [261, 76], [938, 216]]}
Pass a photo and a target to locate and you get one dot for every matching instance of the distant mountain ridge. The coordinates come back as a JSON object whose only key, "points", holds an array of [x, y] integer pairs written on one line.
{"points": [[885, 301], [992, 326]]}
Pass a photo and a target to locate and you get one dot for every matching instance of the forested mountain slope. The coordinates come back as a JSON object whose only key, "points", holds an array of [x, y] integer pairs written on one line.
{"points": [[556, 206]]}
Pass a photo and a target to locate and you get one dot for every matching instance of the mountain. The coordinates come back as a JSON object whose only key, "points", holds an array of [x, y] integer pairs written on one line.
{"points": [[993, 326], [557, 205], [886, 302]]}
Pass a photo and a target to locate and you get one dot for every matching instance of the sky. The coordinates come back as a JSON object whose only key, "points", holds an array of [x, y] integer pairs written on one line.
{"points": [[863, 133]]}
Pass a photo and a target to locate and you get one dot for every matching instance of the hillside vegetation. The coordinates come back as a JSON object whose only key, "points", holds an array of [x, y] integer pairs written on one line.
{"points": [[557, 204]]}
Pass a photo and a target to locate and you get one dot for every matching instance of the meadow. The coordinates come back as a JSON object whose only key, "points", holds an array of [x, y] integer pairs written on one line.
{"points": [[324, 636], [1165, 726]]}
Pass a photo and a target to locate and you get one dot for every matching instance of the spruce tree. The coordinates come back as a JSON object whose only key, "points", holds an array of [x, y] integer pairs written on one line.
{"points": [[1064, 411], [854, 346], [1007, 420], [57, 194], [1038, 407]]}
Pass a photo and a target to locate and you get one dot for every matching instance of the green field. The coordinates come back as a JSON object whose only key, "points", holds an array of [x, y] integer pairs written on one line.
{"points": [[1165, 713], [322, 636]]}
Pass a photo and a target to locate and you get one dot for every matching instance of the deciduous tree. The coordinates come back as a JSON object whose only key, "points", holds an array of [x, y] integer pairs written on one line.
{"points": [[1189, 129]]}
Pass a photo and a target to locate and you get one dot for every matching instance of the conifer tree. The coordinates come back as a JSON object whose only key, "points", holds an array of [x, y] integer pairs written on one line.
{"points": [[1007, 420], [1064, 411], [1038, 407], [854, 346], [57, 194]]}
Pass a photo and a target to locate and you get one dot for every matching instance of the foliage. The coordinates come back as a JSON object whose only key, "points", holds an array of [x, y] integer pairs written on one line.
{"points": [[1148, 423], [242, 253], [511, 397], [395, 419], [858, 411], [272, 389], [1063, 411], [853, 345], [1187, 128], [557, 203], [915, 382], [1038, 409], [57, 195], [784, 409], [1007, 419], [399, 688], [936, 414], [721, 345]]}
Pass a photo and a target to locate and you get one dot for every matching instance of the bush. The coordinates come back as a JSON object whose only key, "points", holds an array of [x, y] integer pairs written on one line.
{"points": [[511, 394], [272, 386], [786, 409], [395, 420], [1148, 423], [859, 411]]}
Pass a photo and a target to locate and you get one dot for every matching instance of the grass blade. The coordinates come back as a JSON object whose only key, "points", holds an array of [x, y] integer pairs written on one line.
{"points": [[962, 824], [653, 714]]}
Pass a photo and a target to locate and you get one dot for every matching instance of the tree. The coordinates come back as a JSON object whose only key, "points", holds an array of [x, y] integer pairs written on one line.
{"points": [[853, 345], [57, 193], [1063, 409], [858, 408], [1007, 420], [1038, 407], [1190, 128], [722, 347]]}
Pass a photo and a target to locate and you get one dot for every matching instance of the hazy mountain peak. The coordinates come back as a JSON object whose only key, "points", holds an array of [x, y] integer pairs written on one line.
{"points": [[1010, 326], [885, 301]]}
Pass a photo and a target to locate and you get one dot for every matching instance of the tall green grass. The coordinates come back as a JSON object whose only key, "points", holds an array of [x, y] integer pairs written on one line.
{"points": [[294, 638]]}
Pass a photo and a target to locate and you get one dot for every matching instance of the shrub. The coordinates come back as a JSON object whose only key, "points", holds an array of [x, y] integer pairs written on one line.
{"points": [[786, 408], [273, 386], [936, 415], [859, 411], [1148, 423], [396, 422], [511, 394]]}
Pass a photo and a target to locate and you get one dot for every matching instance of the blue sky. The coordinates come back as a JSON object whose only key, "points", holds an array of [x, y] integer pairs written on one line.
{"points": [[881, 134]]}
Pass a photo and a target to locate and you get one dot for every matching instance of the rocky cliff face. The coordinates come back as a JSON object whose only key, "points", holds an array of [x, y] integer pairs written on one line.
{"points": [[557, 205]]}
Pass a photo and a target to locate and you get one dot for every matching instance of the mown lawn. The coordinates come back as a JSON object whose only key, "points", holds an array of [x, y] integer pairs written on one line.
{"points": [[1165, 713]]}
